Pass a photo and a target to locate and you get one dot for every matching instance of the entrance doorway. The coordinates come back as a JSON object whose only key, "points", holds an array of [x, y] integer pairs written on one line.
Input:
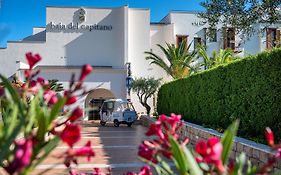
{"points": [[94, 101]]}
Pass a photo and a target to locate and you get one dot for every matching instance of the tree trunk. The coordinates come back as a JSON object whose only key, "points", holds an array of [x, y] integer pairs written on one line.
{"points": [[147, 107]]}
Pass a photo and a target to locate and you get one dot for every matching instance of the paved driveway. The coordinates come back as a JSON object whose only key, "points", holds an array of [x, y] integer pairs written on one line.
{"points": [[115, 148]]}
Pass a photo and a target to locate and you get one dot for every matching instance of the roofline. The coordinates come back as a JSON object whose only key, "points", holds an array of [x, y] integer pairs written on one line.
{"points": [[25, 41], [181, 11], [71, 67], [39, 27], [186, 11], [147, 9], [91, 7], [158, 23]]}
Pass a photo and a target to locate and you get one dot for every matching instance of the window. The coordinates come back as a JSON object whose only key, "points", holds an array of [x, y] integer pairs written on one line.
{"points": [[229, 38], [197, 42], [272, 38], [180, 39], [212, 35]]}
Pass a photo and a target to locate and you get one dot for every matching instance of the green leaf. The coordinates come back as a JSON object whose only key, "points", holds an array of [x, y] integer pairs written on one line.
{"points": [[240, 163], [42, 126], [191, 163], [158, 168], [12, 121], [32, 113], [228, 139], [12, 92], [6, 145], [56, 109], [178, 156], [166, 167], [52, 144]]}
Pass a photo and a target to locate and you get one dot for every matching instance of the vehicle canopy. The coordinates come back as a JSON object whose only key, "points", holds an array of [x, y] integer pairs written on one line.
{"points": [[117, 105]]}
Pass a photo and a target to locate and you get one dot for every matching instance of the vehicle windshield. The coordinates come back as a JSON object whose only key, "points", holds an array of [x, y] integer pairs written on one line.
{"points": [[127, 106]]}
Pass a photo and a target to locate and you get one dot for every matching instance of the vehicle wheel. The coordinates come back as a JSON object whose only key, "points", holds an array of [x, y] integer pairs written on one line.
{"points": [[129, 124], [116, 123], [102, 123]]}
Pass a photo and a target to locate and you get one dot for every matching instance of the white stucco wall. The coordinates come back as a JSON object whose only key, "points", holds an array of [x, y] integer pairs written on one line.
{"points": [[96, 47], [132, 34], [138, 43]]}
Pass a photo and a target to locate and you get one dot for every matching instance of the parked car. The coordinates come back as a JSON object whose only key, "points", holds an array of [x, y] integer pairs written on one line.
{"points": [[117, 111]]}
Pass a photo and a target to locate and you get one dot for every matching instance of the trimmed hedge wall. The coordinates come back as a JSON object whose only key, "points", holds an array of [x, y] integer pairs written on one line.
{"points": [[248, 89]]}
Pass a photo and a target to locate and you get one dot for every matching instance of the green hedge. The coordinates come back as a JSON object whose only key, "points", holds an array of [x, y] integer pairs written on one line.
{"points": [[248, 89]]}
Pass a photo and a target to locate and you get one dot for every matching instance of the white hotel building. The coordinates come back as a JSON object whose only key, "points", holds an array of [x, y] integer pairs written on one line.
{"points": [[108, 39]]}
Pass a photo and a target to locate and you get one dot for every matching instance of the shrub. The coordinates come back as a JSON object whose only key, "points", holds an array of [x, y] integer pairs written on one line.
{"points": [[248, 89]]}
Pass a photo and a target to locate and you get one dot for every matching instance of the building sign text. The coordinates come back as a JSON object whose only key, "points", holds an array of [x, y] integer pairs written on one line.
{"points": [[77, 26]]}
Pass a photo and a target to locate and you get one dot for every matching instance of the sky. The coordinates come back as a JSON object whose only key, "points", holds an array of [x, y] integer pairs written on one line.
{"points": [[18, 17]]}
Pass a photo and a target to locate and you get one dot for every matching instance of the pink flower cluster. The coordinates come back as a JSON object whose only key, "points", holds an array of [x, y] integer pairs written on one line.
{"points": [[210, 152], [23, 149], [23, 153], [163, 128], [145, 170]]}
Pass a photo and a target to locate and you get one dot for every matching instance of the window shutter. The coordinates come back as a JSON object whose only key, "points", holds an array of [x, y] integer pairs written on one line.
{"points": [[268, 38], [278, 38], [224, 38]]}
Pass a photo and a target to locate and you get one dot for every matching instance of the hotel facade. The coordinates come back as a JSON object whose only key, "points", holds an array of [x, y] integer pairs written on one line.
{"points": [[111, 39]]}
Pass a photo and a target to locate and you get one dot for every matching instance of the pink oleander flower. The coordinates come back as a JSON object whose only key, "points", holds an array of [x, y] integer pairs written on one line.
{"points": [[85, 151], [163, 128], [278, 153], [2, 91], [76, 114], [86, 70], [174, 120], [156, 129], [210, 152], [33, 86], [27, 74], [147, 152], [42, 81], [70, 99], [74, 172], [269, 136], [72, 154], [97, 171], [50, 97], [71, 134], [23, 153], [145, 170], [32, 59]]}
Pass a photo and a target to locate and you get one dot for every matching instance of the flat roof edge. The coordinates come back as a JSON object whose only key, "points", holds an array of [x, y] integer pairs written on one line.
{"points": [[159, 23], [186, 11], [90, 7], [39, 27], [26, 41], [146, 9]]}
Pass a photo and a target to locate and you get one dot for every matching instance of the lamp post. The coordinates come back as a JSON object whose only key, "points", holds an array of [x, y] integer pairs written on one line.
{"points": [[129, 81]]}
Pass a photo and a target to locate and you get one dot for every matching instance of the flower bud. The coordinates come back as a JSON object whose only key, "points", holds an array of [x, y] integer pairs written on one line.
{"points": [[76, 114], [32, 59], [86, 70], [50, 97], [71, 134], [269, 136]]}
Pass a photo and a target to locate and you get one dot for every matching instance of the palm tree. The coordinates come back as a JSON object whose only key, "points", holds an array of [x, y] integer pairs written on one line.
{"points": [[178, 60], [55, 85], [217, 58]]}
